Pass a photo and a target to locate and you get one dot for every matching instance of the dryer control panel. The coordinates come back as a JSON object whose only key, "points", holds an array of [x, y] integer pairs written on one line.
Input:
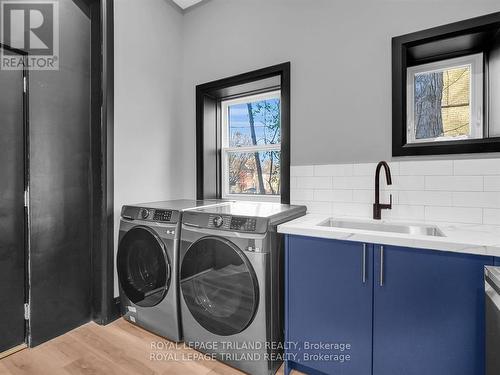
{"points": [[162, 215], [150, 214], [246, 224], [236, 223]]}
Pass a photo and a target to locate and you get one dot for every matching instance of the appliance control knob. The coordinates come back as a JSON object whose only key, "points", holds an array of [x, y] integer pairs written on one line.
{"points": [[144, 213], [218, 221]]}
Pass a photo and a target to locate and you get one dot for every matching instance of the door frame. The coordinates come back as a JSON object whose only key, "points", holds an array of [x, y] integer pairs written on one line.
{"points": [[105, 308]]}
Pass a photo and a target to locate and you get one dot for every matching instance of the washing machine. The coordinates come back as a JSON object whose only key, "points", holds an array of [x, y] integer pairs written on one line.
{"points": [[231, 282], [147, 264]]}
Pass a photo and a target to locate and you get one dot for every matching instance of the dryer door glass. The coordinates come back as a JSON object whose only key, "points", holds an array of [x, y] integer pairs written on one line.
{"points": [[219, 286], [143, 267]]}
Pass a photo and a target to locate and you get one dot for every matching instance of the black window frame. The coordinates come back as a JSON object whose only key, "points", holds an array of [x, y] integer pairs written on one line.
{"points": [[440, 43], [208, 98]]}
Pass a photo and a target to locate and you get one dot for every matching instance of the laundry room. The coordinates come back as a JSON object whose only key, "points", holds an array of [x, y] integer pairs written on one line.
{"points": [[250, 187]]}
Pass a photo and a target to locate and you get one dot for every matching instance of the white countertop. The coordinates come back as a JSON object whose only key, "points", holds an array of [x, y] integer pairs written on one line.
{"points": [[459, 238]]}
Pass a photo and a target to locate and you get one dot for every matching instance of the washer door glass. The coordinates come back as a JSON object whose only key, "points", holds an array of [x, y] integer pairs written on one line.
{"points": [[143, 267], [219, 286]]}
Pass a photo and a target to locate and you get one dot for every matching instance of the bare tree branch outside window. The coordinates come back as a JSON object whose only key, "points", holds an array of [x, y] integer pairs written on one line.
{"points": [[255, 124]]}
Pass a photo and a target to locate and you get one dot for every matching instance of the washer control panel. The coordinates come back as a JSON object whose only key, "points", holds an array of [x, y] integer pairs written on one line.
{"points": [[144, 213], [162, 215], [236, 223], [150, 214], [225, 222], [246, 224], [219, 222]]}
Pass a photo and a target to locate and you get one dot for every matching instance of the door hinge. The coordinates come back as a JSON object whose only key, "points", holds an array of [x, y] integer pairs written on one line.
{"points": [[25, 85], [26, 311], [26, 198]]}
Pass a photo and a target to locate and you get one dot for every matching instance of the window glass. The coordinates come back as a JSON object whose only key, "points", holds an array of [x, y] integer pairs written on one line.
{"points": [[252, 146], [246, 176], [254, 123], [445, 100], [442, 103]]}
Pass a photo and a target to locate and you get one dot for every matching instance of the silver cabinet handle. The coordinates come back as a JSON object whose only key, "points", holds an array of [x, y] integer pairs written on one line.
{"points": [[363, 276], [381, 266]]}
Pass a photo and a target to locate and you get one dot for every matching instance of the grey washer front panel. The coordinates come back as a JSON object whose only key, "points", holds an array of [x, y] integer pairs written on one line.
{"points": [[162, 319], [263, 248]]}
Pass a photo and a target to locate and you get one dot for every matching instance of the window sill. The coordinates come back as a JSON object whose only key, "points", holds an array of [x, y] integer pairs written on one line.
{"points": [[253, 198]]}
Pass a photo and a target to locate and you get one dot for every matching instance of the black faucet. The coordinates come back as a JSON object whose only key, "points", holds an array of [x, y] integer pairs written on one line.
{"points": [[377, 206]]}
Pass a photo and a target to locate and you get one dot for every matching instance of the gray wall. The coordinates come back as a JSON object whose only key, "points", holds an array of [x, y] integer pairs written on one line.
{"points": [[341, 64], [147, 72], [340, 53]]}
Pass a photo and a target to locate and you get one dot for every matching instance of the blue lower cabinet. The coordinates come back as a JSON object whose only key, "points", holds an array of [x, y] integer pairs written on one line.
{"points": [[383, 310], [428, 312], [328, 306]]}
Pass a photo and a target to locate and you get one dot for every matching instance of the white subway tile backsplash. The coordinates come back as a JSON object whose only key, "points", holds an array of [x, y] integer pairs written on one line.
{"points": [[427, 198], [454, 214], [460, 191], [427, 168], [314, 182], [352, 209], [364, 196], [323, 195], [491, 183], [476, 167], [301, 194], [302, 170], [333, 195], [408, 183], [368, 169], [491, 216], [333, 170], [395, 168], [368, 196], [353, 182], [364, 169], [405, 212], [341, 195], [454, 183], [324, 208], [476, 199]]}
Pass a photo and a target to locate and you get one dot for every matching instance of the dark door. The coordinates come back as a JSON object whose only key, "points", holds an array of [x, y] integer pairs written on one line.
{"points": [[329, 300], [429, 315], [143, 267], [60, 181], [219, 286], [12, 253]]}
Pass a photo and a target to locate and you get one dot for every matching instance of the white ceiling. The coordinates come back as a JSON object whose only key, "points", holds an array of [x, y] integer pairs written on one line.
{"points": [[184, 4]]}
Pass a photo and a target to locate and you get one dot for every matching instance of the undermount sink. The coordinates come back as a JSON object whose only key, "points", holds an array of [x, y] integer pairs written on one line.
{"points": [[415, 229]]}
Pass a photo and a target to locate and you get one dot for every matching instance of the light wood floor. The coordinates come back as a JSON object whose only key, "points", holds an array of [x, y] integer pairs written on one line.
{"points": [[119, 348]]}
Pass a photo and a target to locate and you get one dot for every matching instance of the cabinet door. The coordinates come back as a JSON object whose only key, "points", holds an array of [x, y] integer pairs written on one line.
{"points": [[428, 312], [329, 300]]}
